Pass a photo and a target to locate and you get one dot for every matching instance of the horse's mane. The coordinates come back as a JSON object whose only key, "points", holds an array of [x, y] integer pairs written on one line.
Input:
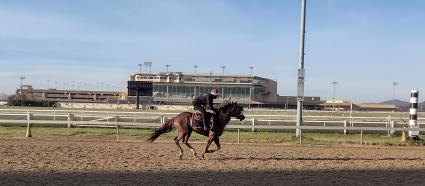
{"points": [[224, 104]]}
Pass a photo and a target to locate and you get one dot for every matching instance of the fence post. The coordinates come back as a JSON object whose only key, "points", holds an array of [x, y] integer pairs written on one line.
{"points": [[345, 126], [54, 115], [134, 119], [361, 137], [301, 136], [117, 127], [28, 134], [392, 124], [239, 135], [387, 125], [253, 124], [70, 119]]}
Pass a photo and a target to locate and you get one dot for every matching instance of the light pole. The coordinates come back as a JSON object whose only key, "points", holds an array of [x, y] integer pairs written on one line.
{"points": [[250, 88], [140, 67], [334, 83], [148, 65], [168, 82], [194, 87], [195, 67], [20, 91], [21, 78], [394, 85], [222, 69], [48, 84], [222, 88], [300, 84], [167, 66]]}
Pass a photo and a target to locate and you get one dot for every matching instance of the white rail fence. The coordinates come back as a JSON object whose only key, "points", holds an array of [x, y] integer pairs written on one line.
{"points": [[82, 118]]}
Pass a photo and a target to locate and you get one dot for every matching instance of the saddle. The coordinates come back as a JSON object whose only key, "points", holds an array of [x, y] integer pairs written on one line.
{"points": [[197, 120]]}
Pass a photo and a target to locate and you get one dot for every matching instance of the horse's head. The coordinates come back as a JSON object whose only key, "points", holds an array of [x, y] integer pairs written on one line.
{"points": [[239, 115], [236, 110]]}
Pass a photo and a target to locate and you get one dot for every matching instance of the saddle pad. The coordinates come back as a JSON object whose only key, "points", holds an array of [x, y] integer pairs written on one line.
{"points": [[197, 120]]}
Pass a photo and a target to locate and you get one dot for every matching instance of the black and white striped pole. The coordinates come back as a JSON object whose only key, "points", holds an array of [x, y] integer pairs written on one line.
{"points": [[413, 121]]}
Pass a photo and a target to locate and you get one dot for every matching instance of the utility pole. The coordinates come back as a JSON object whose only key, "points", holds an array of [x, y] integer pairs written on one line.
{"points": [[334, 83], [301, 74]]}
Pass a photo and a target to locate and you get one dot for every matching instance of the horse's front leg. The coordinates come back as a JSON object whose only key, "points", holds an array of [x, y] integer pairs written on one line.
{"points": [[210, 140], [217, 143]]}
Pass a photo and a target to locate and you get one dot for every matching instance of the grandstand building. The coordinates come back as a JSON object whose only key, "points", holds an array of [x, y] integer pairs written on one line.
{"points": [[181, 88], [178, 88], [29, 93]]}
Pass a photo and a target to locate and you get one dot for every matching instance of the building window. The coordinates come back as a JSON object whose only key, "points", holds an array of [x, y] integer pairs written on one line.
{"points": [[245, 81]]}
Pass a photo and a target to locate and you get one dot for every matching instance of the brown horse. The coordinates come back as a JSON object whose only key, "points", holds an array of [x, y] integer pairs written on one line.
{"points": [[183, 125]]}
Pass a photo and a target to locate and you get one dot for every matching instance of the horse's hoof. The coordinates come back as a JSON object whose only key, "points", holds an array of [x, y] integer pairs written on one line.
{"points": [[180, 157], [193, 152]]}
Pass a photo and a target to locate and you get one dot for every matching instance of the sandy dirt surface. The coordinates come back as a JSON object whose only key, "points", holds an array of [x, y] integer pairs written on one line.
{"points": [[85, 162]]}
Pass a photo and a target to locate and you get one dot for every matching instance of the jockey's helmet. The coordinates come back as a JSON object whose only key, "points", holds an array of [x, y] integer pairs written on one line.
{"points": [[215, 91]]}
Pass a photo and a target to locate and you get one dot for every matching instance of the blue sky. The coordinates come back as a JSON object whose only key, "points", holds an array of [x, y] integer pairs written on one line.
{"points": [[364, 45]]}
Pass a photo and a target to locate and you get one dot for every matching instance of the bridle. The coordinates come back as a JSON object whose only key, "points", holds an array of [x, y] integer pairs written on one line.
{"points": [[234, 105]]}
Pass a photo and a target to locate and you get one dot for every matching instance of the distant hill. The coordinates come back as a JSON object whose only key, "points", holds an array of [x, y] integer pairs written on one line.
{"points": [[398, 103], [404, 105]]}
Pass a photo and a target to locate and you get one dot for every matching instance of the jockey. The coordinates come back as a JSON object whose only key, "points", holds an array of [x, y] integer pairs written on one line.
{"points": [[204, 100]]}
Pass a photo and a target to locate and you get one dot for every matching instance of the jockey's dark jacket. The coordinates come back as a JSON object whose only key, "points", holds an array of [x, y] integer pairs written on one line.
{"points": [[206, 100]]}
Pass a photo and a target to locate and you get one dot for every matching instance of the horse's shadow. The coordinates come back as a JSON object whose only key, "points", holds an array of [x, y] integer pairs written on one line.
{"points": [[311, 159]]}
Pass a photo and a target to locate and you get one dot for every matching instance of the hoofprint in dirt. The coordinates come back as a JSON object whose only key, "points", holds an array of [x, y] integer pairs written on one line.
{"points": [[76, 162]]}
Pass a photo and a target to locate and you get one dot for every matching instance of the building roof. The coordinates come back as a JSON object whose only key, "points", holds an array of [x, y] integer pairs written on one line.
{"points": [[377, 106], [338, 103], [203, 75]]}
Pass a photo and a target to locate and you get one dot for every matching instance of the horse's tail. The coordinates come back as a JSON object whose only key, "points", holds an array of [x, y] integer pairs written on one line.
{"points": [[166, 127]]}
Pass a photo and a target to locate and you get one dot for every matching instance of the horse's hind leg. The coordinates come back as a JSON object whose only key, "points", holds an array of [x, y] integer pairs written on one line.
{"points": [[186, 141], [176, 140]]}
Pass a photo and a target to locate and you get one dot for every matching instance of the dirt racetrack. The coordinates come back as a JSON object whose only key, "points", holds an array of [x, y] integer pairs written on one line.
{"points": [[81, 162]]}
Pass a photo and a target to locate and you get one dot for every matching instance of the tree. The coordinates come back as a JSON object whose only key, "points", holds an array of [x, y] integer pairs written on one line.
{"points": [[3, 96]]}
